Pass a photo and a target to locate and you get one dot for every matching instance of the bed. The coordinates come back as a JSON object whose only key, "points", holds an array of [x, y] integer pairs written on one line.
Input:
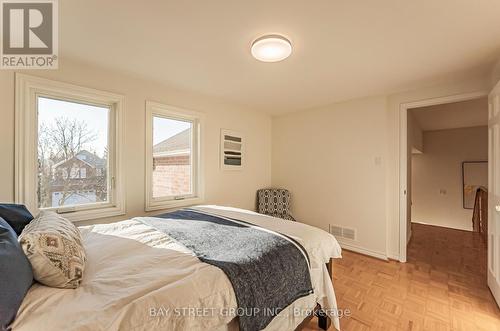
{"points": [[139, 278]]}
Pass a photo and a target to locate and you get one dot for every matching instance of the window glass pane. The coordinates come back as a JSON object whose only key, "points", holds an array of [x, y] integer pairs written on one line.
{"points": [[72, 153], [172, 161]]}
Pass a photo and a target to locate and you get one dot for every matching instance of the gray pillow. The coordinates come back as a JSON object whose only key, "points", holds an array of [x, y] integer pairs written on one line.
{"points": [[18, 216], [16, 276]]}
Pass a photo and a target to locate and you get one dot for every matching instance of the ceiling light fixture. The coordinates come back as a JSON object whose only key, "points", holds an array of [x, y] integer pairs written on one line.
{"points": [[271, 48]]}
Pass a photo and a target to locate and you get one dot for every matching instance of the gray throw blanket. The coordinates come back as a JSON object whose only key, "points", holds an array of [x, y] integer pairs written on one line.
{"points": [[268, 271]]}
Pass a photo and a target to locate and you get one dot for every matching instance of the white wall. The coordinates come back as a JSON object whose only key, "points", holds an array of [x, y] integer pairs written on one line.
{"points": [[440, 169], [326, 156], [415, 135], [353, 190], [495, 73], [415, 142], [333, 161], [235, 188]]}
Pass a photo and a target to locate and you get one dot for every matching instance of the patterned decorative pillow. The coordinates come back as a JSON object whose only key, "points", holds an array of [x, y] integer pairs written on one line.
{"points": [[275, 202], [54, 248]]}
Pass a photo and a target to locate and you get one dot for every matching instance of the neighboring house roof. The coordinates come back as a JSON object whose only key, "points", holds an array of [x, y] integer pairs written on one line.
{"points": [[177, 144], [91, 159]]}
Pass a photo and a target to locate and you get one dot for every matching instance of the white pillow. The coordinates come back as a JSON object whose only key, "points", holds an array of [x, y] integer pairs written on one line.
{"points": [[54, 248]]}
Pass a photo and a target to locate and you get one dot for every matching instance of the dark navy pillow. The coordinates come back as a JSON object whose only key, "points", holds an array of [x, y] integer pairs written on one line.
{"points": [[16, 276], [18, 216]]}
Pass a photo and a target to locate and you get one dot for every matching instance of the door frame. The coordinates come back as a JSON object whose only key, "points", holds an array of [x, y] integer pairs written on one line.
{"points": [[403, 142]]}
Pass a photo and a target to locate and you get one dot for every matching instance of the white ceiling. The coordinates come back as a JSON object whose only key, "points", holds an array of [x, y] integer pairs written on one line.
{"points": [[452, 115], [341, 49]]}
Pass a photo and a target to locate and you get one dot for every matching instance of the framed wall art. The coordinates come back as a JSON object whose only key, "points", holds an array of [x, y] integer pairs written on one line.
{"points": [[232, 150]]}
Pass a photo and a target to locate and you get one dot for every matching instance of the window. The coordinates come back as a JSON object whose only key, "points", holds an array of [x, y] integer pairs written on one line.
{"points": [[71, 135], [68, 151], [173, 175]]}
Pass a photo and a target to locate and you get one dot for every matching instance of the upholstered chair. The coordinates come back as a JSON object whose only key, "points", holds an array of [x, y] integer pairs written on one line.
{"points": [[274, 202]]}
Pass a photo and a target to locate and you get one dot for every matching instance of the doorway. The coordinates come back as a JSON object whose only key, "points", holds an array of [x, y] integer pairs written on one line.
{"points": [[447, 184], [405, 154], [493, 155], [447, 164]]}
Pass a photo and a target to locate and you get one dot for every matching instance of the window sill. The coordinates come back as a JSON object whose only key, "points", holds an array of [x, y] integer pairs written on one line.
{"points": [[93, 214], [152, 206]]}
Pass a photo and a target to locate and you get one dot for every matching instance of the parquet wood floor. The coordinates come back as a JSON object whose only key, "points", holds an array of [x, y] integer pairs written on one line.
{"points": [[441, 287]]}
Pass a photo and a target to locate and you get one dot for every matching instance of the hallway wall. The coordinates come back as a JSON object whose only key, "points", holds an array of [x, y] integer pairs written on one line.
{"points": [[437, 176]]}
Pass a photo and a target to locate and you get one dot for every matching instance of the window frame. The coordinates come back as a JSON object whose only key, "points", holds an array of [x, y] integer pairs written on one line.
{"points": [[28, 89], [154, 109]]}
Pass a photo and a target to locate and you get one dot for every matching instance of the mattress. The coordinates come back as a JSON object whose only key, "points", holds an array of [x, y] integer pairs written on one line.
{"points": [[138, 278]]}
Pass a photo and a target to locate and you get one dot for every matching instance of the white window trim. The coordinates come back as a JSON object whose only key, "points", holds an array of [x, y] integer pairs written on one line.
{"points": [[27, 90], [157, 109]]}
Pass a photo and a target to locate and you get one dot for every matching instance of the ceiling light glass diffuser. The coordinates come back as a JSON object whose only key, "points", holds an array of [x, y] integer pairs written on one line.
{"points": [[271, 48]]}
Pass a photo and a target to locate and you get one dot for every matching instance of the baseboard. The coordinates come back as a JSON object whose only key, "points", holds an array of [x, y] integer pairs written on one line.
{"points": [[494, 287], [361, 250], [442, 226], [392, 256]]}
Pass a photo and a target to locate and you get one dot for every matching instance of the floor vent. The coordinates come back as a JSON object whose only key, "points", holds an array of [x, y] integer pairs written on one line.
{"points": [[336, 230], [341, 232]]}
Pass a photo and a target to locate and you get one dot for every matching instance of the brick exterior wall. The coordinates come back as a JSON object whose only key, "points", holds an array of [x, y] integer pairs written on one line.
{"points": [[171, 175]]}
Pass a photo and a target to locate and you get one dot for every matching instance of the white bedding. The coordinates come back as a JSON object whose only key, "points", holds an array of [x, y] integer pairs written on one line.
{"points": [[138, 278]]}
